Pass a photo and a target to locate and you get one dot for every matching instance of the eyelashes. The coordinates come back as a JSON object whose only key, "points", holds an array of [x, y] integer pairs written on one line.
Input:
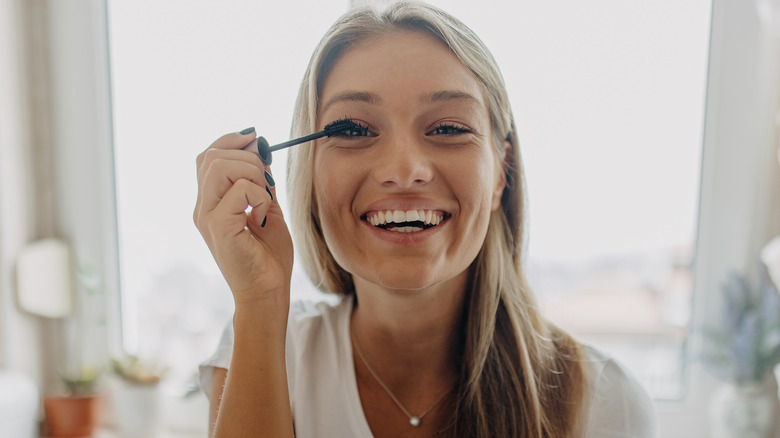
{"points": [[354, 129], [350, 129], [449, 129]]}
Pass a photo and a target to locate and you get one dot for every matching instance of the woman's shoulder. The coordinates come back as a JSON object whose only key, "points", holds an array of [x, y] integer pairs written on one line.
{"points": [[316, 328], [606, 374], [306, 317], [329, 311], [601, 364], [618, 405]]}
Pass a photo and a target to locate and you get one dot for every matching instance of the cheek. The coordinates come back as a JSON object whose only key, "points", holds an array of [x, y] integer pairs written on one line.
{"points": [[325, 191], [334, 189], [323, 180], [327, 212], [481, 179]]}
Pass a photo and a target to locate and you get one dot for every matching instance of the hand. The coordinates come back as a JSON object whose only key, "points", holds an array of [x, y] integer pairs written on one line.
{"points": [[253, 248]]}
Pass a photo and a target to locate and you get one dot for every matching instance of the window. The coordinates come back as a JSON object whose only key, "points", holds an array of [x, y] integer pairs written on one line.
{"points": [[610, 111]]}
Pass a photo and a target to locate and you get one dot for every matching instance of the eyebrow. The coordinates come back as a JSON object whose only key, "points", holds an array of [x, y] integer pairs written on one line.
{"points": [[354, 96], [374, 99], [447, 95]]}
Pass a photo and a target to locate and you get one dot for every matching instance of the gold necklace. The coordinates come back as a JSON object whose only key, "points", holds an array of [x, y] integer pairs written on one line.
{"points": [[414, 420]]}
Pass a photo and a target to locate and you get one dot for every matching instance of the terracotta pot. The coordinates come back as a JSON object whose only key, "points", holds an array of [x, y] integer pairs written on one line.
{"points": [[72, 416]]}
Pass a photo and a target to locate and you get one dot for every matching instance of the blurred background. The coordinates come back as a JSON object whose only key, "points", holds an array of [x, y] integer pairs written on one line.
{"points": [[648, 131]]}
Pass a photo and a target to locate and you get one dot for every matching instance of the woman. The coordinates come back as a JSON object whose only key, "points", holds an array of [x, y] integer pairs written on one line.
{"points": [[415, 218]]}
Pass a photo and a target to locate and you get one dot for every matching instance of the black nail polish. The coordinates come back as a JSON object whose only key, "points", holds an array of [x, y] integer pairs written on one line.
{"points": [[269, 191], [249, 130], [270, 179], [263, 224], [263, 151]]}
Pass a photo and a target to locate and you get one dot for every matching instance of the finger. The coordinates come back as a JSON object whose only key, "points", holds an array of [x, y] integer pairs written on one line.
{"points": [[227, 141], [212, 155], [270, 181], [259, 218], [251, 146], [220, 177], [234, 140], [229, 216], [268, 225]]}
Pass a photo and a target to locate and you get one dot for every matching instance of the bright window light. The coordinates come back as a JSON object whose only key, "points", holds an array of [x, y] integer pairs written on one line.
{"points": [[609, 100]]}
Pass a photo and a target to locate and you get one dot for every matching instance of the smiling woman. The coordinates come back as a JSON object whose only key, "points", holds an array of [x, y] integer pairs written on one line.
{"points": [[609, 100], [428, 148], [612, 243], [435, 332]]}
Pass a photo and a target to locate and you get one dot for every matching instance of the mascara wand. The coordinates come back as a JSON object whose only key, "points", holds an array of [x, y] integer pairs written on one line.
{"points": [[332, 129]]}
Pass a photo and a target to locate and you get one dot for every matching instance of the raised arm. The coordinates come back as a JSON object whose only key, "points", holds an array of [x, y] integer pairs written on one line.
{"points": [[253, 249]]}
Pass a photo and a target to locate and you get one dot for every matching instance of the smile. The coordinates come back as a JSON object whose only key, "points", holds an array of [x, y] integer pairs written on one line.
{"points": [[404, 221]]}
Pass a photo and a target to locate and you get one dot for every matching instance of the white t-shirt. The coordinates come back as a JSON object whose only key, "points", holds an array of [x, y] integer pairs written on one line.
{"points": [[324, 393]]}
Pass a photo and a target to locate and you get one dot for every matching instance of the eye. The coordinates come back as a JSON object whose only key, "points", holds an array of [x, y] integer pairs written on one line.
{"points": [[449, 129], [350, 129]]}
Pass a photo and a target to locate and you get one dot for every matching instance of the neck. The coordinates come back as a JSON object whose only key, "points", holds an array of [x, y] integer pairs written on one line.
{"points": [[410, 336]]}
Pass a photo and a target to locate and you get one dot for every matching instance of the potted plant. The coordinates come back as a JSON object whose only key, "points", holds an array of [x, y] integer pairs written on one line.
{"points": [[74, 414], [743, 350], [81, 359], [135, 395]]}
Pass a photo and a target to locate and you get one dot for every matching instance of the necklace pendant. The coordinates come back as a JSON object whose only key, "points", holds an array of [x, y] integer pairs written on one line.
{"points": [[414, 421]]}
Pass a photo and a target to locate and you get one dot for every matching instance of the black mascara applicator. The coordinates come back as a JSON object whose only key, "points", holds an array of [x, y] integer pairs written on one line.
{"points": [[330, 130]]}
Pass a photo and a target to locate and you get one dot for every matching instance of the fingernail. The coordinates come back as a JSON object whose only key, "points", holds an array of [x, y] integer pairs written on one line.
{"points": [[262, 150], [263, 224], [270, 179], [248, 130], [269, 191]]}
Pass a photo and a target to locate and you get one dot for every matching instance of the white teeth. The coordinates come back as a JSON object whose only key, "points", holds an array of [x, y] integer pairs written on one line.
{"points": [[428, 217]]}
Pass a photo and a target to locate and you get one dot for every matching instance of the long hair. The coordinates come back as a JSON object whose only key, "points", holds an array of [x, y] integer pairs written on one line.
{"points": [[520, 376]]}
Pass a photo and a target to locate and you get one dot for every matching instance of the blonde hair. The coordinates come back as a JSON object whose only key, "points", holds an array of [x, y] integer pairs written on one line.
{"points": [[520, 375]]}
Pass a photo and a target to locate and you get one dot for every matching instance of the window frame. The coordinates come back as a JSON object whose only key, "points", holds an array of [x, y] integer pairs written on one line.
{"points": [[82, 146]]}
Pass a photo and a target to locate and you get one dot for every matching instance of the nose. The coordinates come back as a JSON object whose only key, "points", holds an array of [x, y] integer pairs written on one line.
{"points": [[403, 163]]}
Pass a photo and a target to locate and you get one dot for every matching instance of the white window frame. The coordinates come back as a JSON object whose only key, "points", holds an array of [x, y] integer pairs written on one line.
{"points": [[736, 201], [82, 146]]}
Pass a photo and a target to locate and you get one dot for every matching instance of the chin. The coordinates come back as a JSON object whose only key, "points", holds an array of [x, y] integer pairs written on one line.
{"points": [[406, 274], [407, 280], [406, 286]]}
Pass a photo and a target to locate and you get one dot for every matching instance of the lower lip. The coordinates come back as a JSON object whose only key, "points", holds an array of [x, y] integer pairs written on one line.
{"points": [[404, 238]]}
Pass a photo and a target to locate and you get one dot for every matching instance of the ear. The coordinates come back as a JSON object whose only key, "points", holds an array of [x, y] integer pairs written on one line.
{"points": [[501, 173]]}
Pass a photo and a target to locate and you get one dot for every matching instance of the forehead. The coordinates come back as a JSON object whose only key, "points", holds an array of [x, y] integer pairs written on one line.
{"points": [[401, 65]]}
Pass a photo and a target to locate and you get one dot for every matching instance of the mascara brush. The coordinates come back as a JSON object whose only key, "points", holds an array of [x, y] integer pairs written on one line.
{"points": [[330, 130]]}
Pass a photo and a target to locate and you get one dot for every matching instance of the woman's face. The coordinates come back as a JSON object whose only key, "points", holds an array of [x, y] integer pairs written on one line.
{"points": [[404, 201]]}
